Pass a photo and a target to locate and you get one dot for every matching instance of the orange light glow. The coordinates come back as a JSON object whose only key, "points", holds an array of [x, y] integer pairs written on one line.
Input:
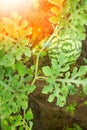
{"points": [[8, 6], [37, 13]]}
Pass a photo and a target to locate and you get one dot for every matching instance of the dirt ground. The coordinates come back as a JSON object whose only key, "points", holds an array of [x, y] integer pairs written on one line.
{"points": [[47, 116]]}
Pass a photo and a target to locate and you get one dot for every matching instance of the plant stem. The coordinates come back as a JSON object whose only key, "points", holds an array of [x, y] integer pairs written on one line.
{"points": [[50, 38], [25, 124], [42, 78], [75, 13], [55, 3], [36, 70], [37, 59], [76, 81]]}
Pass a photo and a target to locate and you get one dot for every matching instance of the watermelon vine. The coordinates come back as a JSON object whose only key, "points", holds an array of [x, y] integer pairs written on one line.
{"points": [[18, 75]]}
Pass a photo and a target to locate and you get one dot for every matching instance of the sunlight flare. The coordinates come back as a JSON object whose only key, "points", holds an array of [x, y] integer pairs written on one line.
{"points": [[8, 6]]}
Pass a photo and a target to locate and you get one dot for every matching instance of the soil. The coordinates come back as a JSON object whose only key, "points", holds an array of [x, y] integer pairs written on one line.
{"points": [[48, 116]]}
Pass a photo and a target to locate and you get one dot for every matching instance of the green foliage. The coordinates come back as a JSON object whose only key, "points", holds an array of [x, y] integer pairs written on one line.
{"points": [[18, 75], [85, 61], [14, 84], [64, 47], [71, 108], [70, 30], [72, 21], [61, 82], [76, 127], [14, 90]]}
